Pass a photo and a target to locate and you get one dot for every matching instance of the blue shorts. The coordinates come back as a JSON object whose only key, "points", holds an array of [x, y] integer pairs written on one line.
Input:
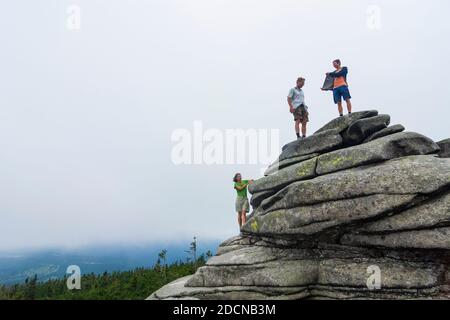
{"points": [[341, 92]]}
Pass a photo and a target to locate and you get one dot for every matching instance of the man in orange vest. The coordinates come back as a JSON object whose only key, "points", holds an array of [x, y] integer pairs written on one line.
{"points": [[340, 87]]}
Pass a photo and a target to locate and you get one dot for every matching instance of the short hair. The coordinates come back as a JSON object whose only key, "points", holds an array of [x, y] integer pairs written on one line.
{"points": [[337, 61], [301, 79], [235, 177]]}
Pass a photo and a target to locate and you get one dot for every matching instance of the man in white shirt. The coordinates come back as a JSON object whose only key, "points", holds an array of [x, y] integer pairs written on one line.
{"points": [[297, 106]]}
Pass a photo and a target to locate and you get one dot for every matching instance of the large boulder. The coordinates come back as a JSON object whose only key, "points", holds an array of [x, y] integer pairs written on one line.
{"points": [[317, 143], [387, 148], [408, 175], [438, 238], [431, 213], [360, 130], [390, 147], [258, 272], [356, 202], [385, 132], [308, 220], [342, 123]]}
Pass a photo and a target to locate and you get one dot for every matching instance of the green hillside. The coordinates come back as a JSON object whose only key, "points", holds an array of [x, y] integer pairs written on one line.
{"points": [[137, 284]]}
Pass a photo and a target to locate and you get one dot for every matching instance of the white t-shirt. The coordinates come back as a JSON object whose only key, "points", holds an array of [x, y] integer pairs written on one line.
{"points": [[297, 96]]}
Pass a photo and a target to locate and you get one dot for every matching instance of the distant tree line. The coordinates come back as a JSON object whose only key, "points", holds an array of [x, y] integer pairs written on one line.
{"points": [[136, 284]]}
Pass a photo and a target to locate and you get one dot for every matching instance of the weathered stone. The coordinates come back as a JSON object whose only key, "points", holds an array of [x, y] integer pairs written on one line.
{"points": [[318, 143], [336, 273], [258, 197], [408, 175], [360, 130], [247, 255], [445, 148], [310, 220], [177, 290], [349, 293], [301, 171], [432, 213], [235, 243], [174, 290], [342, 123], [239, 240], [438, 238], [409, 290], [275, 270], [278, 165], [395, 274], [332, 210], [271, 274], [386, 148], [385, 132]]}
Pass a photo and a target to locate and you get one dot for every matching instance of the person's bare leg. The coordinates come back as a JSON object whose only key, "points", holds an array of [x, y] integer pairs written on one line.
{"points": [[244, 217], [239, 219], [349, 105], [297, 127], [340, 109], [304, 128]]}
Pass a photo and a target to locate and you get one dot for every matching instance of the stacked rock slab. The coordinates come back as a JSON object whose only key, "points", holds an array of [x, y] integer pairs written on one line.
{"points": [[445, 148], [359, 210]]}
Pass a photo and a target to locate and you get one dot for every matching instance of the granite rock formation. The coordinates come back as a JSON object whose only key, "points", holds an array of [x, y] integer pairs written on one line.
{"points": [[359, 210]]}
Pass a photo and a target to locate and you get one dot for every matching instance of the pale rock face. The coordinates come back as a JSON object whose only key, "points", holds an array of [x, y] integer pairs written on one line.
{"points": [[385, 132], [318, 143], [445, 148], [356, 203], [342, 123], [360, 130]]}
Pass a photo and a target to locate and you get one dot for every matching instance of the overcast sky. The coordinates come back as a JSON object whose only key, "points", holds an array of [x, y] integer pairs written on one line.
{"points": [[87, 115]]}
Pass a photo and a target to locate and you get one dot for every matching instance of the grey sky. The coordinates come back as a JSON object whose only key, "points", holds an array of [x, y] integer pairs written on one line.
{"points": [[86, 116]]}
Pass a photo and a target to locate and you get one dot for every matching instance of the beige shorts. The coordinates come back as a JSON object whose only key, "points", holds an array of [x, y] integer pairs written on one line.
{"points": [[242, 204]]}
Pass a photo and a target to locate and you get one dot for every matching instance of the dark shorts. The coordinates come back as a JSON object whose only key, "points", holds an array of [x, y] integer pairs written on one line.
{"points": [[301, 114], [341, 92]]}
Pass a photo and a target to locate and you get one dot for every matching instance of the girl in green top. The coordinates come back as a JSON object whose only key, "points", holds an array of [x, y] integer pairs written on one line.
{"points": [[242, 205]]}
